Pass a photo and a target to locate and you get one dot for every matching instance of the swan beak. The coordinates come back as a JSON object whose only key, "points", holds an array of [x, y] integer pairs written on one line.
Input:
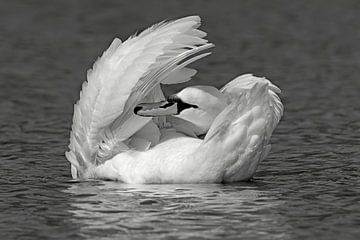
{"points": [[156, 109]]}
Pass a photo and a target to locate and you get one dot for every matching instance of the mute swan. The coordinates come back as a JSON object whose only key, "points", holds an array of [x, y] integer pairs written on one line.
{"points": [[125, 129]]}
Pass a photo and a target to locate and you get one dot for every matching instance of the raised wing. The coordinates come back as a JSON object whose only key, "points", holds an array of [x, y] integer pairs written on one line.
{"points": [[125, 74]]}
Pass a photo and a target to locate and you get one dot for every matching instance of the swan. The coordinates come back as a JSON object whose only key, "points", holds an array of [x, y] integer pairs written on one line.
{"points": [[125, 129]]}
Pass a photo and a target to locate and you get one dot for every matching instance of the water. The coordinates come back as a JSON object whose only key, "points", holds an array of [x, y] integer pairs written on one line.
{"points": [[307, 188]]}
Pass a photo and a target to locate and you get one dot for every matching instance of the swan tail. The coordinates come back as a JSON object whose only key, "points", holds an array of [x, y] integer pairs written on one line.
{"points": [[240, 133]]}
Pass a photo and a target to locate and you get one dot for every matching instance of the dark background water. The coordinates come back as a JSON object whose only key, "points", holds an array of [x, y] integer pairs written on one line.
{"points": [[307, 188]]}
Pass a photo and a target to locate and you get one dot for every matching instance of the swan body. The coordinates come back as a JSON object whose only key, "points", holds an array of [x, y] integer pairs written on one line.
{"points": [[125, 129]]}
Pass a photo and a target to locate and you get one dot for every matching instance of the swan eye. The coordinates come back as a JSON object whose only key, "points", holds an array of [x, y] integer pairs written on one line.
{"points": [[181, 105]]}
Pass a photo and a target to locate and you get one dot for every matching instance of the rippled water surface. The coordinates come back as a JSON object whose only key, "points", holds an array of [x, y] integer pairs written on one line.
{"points": [[307, 188]]}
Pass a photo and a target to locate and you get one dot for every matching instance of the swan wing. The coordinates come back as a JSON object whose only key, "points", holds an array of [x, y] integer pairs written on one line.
{"points": [[241, 132], [122, 77]]}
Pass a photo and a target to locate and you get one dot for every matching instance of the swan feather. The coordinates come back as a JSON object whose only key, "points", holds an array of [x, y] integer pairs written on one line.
{"points": [[122, 76]]}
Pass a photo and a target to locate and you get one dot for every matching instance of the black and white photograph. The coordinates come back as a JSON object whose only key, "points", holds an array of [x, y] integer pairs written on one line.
{"points": [[179, 119]]}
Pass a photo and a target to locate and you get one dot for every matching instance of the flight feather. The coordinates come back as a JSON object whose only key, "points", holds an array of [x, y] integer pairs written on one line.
{"points": [[125, 74]]}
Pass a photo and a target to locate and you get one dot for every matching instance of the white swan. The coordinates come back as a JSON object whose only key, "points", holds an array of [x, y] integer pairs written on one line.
{"points": [[123, 129]]}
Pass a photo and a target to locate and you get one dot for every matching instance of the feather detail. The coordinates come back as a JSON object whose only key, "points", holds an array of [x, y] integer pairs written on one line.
{"points": [[245, 125], [244, 83], [180, 76], [121, 78]]}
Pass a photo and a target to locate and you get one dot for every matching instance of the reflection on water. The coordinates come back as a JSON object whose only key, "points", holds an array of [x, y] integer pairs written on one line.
{"points": [[116, 210]]}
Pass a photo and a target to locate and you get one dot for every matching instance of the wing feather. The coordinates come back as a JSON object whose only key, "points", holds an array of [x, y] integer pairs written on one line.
{"points": [[244, 83], [243, 129], [182, 75], [123, 75]]}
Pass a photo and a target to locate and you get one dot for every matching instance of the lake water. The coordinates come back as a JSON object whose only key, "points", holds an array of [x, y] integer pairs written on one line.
{"points": [[307, 188]]}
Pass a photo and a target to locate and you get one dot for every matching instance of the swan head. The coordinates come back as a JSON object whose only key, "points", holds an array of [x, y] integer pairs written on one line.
{"points": [[198, 105]]}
